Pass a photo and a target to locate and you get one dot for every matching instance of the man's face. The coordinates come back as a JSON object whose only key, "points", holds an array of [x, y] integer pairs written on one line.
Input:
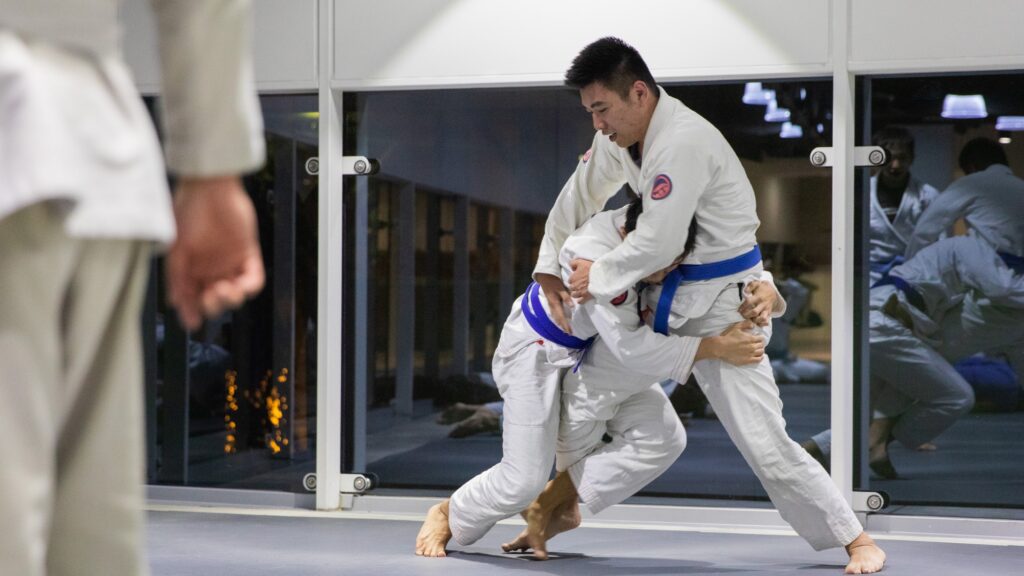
{"points": [[624, 121], [896, 173]]}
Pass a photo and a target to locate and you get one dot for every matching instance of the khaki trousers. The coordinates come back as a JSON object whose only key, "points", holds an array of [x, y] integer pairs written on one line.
{"points": [[71, 434]]}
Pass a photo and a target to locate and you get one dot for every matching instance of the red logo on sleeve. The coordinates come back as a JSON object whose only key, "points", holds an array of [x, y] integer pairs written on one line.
{"points": [[620, 298], [587, 155], [662, 187]]}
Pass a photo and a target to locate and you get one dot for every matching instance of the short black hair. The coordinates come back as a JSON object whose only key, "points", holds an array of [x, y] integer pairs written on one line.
{"points": [[611, 62], [980, 153], [894, 135], [636, 207]]}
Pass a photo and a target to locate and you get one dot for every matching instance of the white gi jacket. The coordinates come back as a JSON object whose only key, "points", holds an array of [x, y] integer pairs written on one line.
{"points": [[992, 203], [889, 239], [72, 126], [687, 167], [944, 274], [626, 346]]}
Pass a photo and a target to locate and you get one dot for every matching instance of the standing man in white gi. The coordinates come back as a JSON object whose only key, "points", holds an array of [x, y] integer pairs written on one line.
{"points": [[83, 204], [897, 200], [681, 166]]}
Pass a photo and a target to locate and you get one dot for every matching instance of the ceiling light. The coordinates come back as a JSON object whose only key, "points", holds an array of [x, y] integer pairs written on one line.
{"points": [[775, 114], [959, 106], [1005, 140], [753, 93], [821, 128], [1009, 123], [790, 130]]}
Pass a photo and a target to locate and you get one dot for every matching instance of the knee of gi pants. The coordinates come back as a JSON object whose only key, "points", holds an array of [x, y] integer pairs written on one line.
{"points": [[963, 401], [677, 442]]}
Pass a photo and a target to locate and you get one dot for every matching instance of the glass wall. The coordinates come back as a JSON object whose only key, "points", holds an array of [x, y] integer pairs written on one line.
{"points": [[942, 236], [234, 404], [444, 239]]}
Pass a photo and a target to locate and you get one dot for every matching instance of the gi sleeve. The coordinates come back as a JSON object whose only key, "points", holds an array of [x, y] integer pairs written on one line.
{"points": [[637, 347], [980, 269], [670, 190], [938, 217], [598, 176], [211, 114]]}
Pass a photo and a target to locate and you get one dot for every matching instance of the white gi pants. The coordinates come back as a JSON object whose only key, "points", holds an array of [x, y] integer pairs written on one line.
{"points": [[528, 376], [746, 401], [646, 438], [912, 381], [71, 479]]}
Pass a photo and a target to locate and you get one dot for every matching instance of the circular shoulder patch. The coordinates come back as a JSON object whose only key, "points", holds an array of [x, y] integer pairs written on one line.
{"points": [[620, 298], [587, 154], [662, 187]]}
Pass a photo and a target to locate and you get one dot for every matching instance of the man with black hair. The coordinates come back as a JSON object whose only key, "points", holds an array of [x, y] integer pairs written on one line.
{"points": [[988, 197], [681, 165], [609, 341], [897, 200]]}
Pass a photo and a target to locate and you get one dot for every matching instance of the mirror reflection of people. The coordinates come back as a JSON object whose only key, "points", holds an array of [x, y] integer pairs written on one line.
{"points": [[897, 200], [916, 393], [989, 198]]}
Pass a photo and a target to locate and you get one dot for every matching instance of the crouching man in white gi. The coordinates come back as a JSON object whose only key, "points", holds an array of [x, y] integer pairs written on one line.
{"points": [[916, 320], [528, 364], [616, 429], [681, 165]]}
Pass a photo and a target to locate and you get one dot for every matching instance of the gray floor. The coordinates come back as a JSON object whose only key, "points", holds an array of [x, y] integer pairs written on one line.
{"points": [[980, 460], [188, 543]]}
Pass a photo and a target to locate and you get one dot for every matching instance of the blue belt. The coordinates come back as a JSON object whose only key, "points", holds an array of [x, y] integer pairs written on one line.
{"points": [[883, 268], [694, 272], [1015, 263], [913, 296], [538, 319]]}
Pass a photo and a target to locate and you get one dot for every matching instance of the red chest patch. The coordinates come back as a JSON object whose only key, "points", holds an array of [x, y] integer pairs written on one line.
{"points": [[587, 154], [662, 187], [620, 298]]}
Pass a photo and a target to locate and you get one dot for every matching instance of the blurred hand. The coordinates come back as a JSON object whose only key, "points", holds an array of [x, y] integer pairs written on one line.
{"points": [[759, 302], [215, 264], [579, 280], [557, 297]]}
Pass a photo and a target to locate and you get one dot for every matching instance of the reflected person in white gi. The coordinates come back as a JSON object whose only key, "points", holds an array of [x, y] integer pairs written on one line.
{"points": [[83, 205], [897, 200], [681, 165], [917, 332], [528, 364], [989, 198]]}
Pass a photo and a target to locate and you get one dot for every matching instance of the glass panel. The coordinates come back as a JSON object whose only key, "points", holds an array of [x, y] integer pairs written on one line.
{"points": [[480, 169], [234, 404], [946, 320]]}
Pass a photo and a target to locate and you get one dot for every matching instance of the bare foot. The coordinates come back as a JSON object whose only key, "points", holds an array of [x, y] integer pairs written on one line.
{"points": [[456, 412], [435, 532], [558, 494], [865, 556], [878, 460], [483, 420], [565, 517]]}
